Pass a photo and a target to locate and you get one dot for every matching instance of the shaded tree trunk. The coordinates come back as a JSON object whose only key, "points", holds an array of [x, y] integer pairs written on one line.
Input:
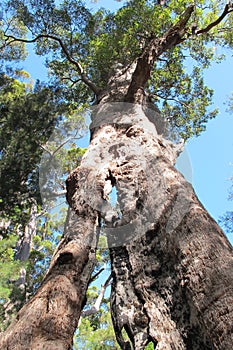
{"points": [[49, 320]]}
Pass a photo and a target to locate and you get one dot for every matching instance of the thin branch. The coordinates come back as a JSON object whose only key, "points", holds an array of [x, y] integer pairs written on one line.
{"points": [[58, 194], [45, 150], [52, 153], [95, 308], [10, 39], [63, 144], [97, 274], [171, 99], [228, 9], [74, 82]]}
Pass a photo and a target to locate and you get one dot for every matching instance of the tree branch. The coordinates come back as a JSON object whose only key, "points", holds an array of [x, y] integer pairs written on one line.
{"points": [[62, 144], [157, 46], [95, 308], [151, 52], [10, 39], [228, 8], [170, 99], [97, 274]]}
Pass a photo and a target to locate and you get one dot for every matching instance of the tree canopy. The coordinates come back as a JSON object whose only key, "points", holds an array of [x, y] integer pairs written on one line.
{"points": [[85, 47]]}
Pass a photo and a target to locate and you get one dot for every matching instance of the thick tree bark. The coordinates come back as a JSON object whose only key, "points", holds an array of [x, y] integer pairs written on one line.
{"points": [[172, 264]]}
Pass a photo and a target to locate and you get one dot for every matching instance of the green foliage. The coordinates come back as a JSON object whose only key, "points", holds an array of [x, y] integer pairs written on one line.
{"points": [[100, 41], [226, 222], [150, 346], [96, 332], [27, 118], [119, 38], [44, 243], [9, 269], [185, 100], [99, 338], [9, 272]]}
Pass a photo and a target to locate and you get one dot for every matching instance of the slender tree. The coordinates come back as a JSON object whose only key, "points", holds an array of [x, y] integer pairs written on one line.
{"points": [[171, 263]]}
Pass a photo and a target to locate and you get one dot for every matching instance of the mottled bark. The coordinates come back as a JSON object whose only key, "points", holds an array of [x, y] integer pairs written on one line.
{"points": [[172, 264]]}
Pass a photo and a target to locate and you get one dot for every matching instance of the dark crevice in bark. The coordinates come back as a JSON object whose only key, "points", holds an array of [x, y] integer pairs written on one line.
{"points": [[120, 324]]}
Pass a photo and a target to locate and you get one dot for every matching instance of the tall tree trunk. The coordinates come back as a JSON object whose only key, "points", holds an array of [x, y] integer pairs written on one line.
{"points": [[24, 244], [172, 265]]}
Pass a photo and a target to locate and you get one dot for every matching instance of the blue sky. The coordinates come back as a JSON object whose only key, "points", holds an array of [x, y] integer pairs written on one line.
{"points": [[211, 154]]}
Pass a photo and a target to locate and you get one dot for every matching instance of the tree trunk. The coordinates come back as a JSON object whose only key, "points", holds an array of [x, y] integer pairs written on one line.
{"points": [[172, 265], [49, 320], [24, 244]]}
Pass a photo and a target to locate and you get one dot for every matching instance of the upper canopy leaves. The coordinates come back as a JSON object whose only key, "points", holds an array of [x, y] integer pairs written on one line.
{"points": [[82, 46]]}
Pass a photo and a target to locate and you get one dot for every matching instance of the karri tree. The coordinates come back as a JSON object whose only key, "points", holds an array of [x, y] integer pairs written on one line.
{"points": [[141, 68]]}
